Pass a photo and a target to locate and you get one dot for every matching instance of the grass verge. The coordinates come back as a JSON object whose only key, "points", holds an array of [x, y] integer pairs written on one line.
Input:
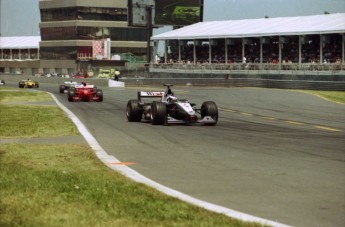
{"points": [[66, 185], [335, 96], [20, 95], [34, 121]]}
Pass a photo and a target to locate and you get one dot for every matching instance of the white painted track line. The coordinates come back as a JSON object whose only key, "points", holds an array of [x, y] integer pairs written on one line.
{"points": [[132, 174]]}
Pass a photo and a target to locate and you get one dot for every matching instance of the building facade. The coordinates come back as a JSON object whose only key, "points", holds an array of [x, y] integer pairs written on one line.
{"points": [[71, 29], [80, 35]]}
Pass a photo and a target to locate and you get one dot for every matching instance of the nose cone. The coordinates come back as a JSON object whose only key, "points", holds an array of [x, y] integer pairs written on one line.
{"points": [[193, 118]]}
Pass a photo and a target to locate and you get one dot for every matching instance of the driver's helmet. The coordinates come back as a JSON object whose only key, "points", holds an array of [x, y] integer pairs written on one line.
{"points": [[171, 98]]}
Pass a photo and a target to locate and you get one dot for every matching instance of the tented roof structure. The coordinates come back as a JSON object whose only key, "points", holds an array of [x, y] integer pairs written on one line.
{"points": [[20, 42], [282, 26]]}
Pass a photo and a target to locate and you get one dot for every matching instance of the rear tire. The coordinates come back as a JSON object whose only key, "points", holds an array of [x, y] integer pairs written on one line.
{"points": [[70, 95], [133, 111], [99, 94], [209, 108], [159, 111]]}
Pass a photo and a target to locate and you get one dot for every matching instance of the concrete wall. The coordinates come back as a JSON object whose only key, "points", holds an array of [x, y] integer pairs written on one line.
{"points": [[38, 66]]}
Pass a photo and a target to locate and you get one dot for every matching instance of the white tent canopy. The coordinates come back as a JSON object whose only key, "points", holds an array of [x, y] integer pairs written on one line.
{"points": [[20, 42], [19, 48], [283, 26]]}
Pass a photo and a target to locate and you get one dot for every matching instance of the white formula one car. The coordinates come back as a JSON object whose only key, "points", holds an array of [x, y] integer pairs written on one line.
{"points": [[67, 85], [2, 82], [168, 109]]}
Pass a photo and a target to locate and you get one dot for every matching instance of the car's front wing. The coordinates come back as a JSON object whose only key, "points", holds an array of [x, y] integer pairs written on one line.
{"points": [[205, 120]]}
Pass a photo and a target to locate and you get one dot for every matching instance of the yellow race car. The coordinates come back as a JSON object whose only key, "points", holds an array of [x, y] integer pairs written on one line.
{"points": [[28, 84]]}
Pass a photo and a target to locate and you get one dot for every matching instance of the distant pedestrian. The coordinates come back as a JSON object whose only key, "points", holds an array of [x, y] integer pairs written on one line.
{"points": [[117, 74]]}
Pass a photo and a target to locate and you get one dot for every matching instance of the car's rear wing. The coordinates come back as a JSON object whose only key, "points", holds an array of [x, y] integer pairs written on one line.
{"points": [[71, 83], [150, 94], [84, 86]]}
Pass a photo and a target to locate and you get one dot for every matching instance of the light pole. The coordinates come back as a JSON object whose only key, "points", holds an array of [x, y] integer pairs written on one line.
{"points": [[149, 29]]}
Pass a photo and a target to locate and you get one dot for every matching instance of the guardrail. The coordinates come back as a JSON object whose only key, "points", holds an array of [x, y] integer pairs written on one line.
{"points": [[241, 82], [222, 82]]}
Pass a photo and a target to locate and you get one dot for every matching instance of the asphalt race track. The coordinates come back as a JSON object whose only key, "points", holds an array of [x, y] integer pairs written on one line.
{"points": [[275, 154]]}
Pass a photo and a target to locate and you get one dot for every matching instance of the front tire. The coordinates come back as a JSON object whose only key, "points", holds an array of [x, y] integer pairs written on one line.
{"points": [[133, 111], [209, 108], [159, 111], [62, 88]]}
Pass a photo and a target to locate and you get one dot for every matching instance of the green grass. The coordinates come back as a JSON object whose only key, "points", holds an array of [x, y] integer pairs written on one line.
{"points": [[66, 185], [34, 121], [20, 95], [19, 121], [336, 96], [54, 185]]}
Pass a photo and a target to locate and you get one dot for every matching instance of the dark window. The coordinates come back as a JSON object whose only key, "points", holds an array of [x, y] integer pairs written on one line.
{"points": [[93, 33], [58, 14], [84, 13], [68, 53], [59, 33]]}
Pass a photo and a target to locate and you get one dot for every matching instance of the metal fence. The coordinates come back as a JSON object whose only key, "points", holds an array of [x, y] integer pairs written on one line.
{"points": [[252, 66]]}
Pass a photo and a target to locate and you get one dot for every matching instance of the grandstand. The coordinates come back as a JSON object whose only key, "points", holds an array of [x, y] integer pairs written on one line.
{"points": [[306, 43]]}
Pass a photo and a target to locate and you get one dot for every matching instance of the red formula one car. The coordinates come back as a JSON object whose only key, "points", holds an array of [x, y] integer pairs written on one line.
{"points": [[85, 92]]}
